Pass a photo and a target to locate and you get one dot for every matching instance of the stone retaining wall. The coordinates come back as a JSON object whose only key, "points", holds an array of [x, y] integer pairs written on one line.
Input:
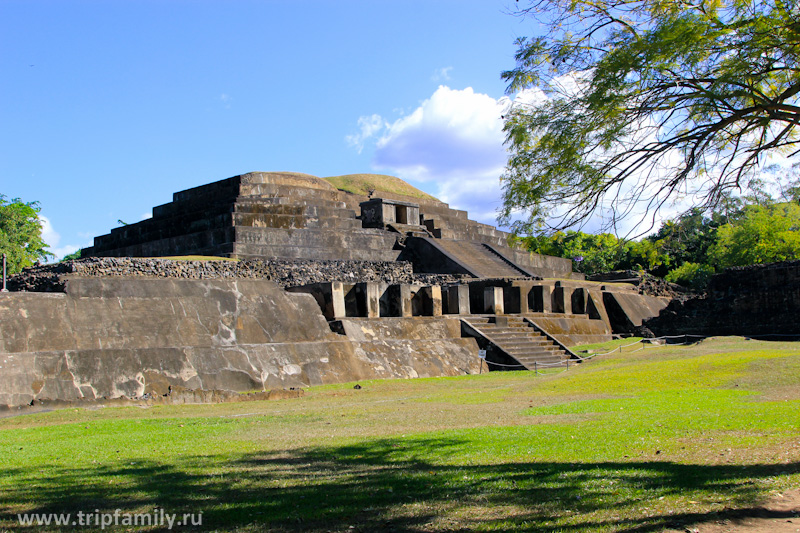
{"points": [[132, 337], [49, 278], [753, 300]]}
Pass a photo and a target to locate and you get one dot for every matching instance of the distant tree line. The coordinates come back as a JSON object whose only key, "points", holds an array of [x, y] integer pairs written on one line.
{"points": [[691, 248]]}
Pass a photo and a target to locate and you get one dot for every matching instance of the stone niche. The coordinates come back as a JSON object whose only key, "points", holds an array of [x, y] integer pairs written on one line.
{"points": [[378, 212], [374, 300]]}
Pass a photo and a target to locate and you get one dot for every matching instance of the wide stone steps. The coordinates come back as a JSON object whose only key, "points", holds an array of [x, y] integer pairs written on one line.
{"points": [[477, 259], [216, 242], [523, 343], [315, 243], [453, 221], [286, 221], [443, 212], [282, 200], [164, 228], [300, 193], [445, 225], [294, 221], [519, 341]]}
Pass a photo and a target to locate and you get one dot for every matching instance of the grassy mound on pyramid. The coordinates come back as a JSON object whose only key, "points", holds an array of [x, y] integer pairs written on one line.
{"points": [[364, 183]]}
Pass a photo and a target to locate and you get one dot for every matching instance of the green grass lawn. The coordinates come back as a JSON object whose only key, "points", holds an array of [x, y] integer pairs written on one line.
{"points": [[632, 441]]}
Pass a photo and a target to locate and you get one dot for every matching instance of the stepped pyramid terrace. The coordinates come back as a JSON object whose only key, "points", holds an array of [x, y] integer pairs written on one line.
{"points": [[325, 280]]}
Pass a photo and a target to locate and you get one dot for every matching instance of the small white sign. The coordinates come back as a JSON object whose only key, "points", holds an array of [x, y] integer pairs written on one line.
{"points": [[482, 354]]}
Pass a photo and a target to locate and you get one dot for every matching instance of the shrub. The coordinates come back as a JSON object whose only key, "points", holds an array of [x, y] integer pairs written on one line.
{"points": [[693, 275]]}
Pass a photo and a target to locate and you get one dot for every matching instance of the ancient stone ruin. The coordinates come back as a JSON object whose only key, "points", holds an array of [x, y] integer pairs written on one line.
{"points": [[327, 286], [760, 301]]}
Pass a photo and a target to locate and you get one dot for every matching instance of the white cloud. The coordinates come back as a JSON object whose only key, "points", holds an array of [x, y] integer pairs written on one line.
{"points": [[53, 238], [453, 141], [49, 235], [441, 74], [369, 126], [453, 132], [62, 251]]}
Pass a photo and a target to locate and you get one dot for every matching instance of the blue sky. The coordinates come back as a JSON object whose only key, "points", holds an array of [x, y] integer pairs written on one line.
{"points": [[110, 106]]}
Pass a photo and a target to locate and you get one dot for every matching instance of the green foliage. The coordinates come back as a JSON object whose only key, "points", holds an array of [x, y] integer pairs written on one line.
{"points": [[73, 255], [793, 192], [21, 234], [592, 254], [764, 234], [691, 275], [688, 238], [642, 97], [691, 248], [642, 255]]}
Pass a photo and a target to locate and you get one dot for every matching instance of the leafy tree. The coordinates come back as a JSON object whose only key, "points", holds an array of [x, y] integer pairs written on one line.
{"points": [[688, 238], [74, 255], [691, 275], [764, 234], [590, 254], [643, 97], [21, 234], [642, 255], [792, 192]]}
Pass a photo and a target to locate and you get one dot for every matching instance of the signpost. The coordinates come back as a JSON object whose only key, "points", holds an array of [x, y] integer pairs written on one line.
{"points": [[4, 275]]}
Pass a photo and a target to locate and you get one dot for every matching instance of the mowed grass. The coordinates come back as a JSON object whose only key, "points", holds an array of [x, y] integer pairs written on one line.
{"points": [[632, 441]]}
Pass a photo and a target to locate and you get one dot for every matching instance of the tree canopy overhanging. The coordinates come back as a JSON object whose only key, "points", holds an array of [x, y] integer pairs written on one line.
{"points": [[647, 101]]}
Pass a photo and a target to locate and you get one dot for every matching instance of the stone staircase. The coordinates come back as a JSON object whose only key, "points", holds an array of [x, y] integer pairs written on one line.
{"points": [[520, 341], [480, 260], [445, 223]]}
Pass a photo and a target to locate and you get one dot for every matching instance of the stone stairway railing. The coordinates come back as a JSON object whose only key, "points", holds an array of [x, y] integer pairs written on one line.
{"points": [[520, 341], [508, 261]]}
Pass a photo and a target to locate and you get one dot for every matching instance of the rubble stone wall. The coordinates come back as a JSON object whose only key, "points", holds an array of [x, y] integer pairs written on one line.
{"points": [[754, 300], [48, 278]]}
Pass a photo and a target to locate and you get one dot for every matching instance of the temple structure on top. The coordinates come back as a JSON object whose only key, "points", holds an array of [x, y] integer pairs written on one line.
{"points": [[283, 215]]}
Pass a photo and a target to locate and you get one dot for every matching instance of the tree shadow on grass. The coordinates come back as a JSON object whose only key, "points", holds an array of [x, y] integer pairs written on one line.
{"points": [[388, 485]]}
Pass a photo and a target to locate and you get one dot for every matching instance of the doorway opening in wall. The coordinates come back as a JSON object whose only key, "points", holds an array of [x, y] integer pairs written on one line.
{"points": [[401, 214]]}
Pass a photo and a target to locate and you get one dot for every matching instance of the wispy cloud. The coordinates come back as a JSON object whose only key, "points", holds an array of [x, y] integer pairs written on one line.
{"points": [[441, 74], [53, 239], [369, 126]]}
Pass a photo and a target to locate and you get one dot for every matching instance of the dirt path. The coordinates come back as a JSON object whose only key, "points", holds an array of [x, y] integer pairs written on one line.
{"points": [[781, 514]]}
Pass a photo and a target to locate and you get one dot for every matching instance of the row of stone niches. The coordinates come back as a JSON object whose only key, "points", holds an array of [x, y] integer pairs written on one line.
{"points": [[373, 300]]}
